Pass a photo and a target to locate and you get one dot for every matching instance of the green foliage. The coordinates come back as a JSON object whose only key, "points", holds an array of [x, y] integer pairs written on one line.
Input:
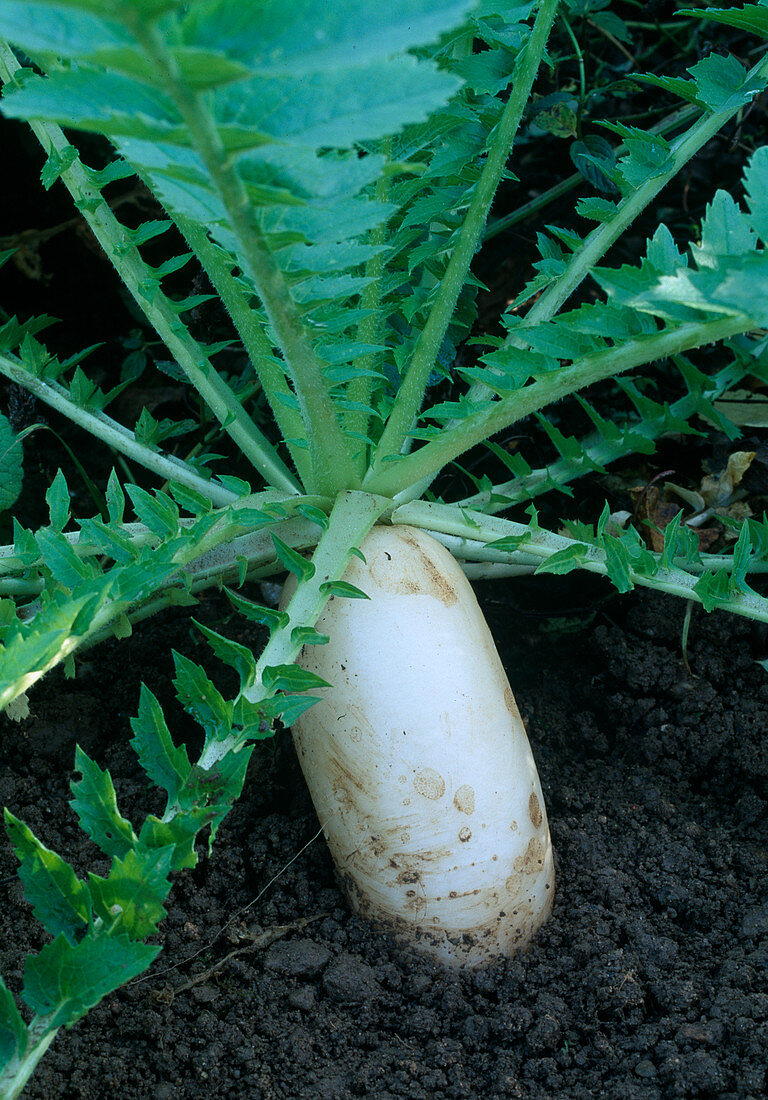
{"points": [[331, 169], [11, 465]]}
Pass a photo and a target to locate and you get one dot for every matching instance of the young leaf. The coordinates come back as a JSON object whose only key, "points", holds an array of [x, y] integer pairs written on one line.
{"points": [[292, 678], [61, 559], [165, 764], [64, 980], [292, 560], [130, 900], [255, 613], [200, 698], [115, 499], [57, 499], [344, 589], [232, 653], [95, 804], [59, 900], [158, 512]]}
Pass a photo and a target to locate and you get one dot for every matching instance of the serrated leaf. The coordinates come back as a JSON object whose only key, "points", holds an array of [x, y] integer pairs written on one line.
{"points": [[190, 499], [292, 560], [201, 698], [617, 564], [95, 804], [291, 678], [756, 185], [165, 764], [115, 499], [130, 900], [231, 653], [111, 541], [724, 231], [63, 981], [289, 707], [58, 29], [722, 83], [255, 613], [305, 38], [107, 103], [179, 833], [337, 108], [751, 17], [62, 560], [564, 561], [59, 900], [158, 512]]}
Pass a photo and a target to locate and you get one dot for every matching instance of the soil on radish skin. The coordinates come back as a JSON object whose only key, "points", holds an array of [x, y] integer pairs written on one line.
{"points": [[650, 981]]}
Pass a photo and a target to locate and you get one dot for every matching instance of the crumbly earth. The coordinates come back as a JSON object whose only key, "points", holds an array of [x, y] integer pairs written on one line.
{"points": [[650, 982]]}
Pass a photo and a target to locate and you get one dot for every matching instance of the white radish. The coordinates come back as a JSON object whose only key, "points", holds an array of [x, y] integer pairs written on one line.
{"points": [[418, 762]]}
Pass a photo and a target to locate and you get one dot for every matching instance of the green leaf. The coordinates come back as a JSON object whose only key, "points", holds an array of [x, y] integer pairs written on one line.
{"points": [[291, 678], [618, 564], [337, 108], [11, 470], [289, 707], [58, 29], [232, 653], [95, 804], [307, 635], [304, 37], [255, 613], [200, 698], [343, 589], [721, 82], [165, 764], [756, 185], [58, 501], [65, 981], [115, 499], [180, 833], [725, 231], [59, 900], [751, 17], [564, 561], [130, 900], [107, 103], [13, 1031], [158, 512], [60, 557], [292, 560]]}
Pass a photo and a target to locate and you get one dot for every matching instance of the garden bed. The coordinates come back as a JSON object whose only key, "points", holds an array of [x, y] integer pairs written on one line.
{"points": [[650, 980]]}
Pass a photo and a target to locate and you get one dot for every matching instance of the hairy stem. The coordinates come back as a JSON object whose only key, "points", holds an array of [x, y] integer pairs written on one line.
{"points": [[121, 439], [445, 519]]}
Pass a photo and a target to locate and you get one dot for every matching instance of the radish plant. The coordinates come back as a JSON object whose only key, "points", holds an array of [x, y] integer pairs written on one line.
{"points": [[331, 169]]}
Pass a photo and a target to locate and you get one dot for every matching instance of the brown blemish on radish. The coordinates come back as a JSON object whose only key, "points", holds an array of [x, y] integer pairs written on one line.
{"points": [[464, 799], [429, 784]]}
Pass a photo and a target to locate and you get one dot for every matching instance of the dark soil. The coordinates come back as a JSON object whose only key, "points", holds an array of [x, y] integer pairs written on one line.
{"points": [[650, 981]]}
